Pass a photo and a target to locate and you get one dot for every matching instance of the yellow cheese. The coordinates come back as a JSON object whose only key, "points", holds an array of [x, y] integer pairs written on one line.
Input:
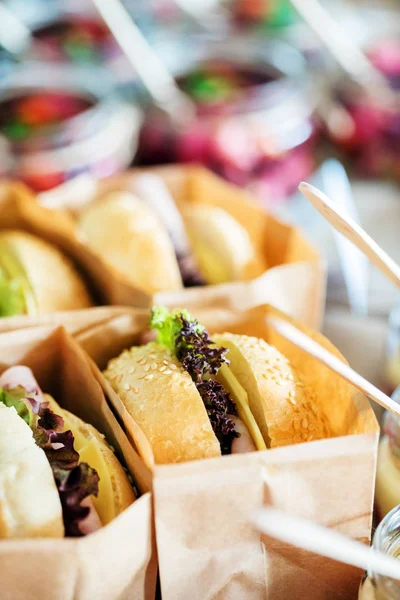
{"points": [[241, 400], [89, 449]]}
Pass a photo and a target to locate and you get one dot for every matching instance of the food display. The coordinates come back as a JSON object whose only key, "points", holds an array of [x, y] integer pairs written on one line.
{"points": [[374, 142], [35, 277], [245, 129], [70, 474]]}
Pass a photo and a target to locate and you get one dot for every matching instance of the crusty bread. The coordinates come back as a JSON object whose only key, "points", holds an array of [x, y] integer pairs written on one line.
{"points": [[129, 236], [55, 283], [29, 502], [163, 400], [284, 409], [115, 490], [222, 246]]}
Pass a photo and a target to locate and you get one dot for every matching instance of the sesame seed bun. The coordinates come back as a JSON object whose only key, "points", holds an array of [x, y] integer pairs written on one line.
{"points": [[285, 411], [127, 234], [29, 502], [163, 400], [54, 282], [222, 246]]}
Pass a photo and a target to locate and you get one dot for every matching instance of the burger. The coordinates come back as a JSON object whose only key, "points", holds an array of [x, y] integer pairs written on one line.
{"points": [[35, 277], [58, 475], [195, 397], [155, 247]]}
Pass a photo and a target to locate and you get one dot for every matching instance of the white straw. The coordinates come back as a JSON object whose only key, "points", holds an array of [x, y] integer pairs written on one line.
{"points": [[312, 347], [352, 231], [326, 542], [157, 79]]}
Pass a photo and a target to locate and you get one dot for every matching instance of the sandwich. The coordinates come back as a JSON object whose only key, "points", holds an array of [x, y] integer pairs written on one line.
{"points": [[58, 475], [195, 397], [35, 277], [146, 239]]}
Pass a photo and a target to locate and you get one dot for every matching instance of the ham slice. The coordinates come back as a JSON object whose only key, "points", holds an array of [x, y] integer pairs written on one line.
{"points": [[244, 443], [21, 376]]}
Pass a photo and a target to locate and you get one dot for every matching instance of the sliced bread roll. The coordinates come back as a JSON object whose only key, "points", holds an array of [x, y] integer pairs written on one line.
{"points": [[29, 502], [115, 490], [129, 236], [221, 245], [164, 402], [53, 281], [284, 411]]}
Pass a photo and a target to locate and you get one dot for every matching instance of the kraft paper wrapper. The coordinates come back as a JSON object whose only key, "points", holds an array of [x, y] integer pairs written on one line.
{"points": [[206, 547], [294, 283], [117, 562]]}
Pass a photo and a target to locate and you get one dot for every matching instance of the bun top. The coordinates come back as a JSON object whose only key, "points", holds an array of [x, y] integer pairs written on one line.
{"points": [[222, 246], [163, 400], [29, 500], [286, 411], [54, 282], [129, 236]]}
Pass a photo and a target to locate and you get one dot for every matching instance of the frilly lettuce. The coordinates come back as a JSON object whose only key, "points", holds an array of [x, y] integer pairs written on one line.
{"points": [[201, 358]]}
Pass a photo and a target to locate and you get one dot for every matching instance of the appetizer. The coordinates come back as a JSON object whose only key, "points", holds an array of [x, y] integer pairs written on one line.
{"points": [[58, 475], [195, 397], [36, 278], [157, 248]]}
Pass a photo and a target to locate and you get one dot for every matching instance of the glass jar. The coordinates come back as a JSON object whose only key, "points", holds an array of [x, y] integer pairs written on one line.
{"points": [[254, 113], [373, 143], [386, 540], [387, 487], [48, 143]]}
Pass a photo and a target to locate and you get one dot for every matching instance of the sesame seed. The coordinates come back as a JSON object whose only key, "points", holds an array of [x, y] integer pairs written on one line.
{"points": [[142, 361], [172, 366], [154, 366], [304, 435], [292, 400], [135, 390], [304, 424], [131, 370], [149, 377], [168, 372], [296, 425], [166, 362], [127, 386], [162, 368], [146, 368]]}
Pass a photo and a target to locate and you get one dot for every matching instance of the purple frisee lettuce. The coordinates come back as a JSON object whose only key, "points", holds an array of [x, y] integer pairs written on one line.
{"points": [[201, 358], [75, 481]]}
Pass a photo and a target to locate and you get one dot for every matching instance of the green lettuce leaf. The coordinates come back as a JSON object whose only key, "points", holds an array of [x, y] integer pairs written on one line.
{"points": [[12, 300]]}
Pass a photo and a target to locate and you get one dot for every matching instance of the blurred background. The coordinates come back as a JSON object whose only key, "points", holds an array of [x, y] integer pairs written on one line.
{"points": [[266, 93]]}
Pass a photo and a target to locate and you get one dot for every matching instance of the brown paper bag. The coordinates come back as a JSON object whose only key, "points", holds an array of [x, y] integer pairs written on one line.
{"points": [[295, 281], [206, 547], [116, 562]]}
